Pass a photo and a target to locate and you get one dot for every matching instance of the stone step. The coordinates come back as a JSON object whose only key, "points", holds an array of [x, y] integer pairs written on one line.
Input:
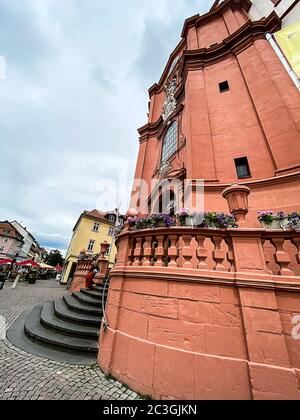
{"points": [[63, 312], [75, 305], [34, 329], [87, 300], [101, 287], [49, 320], [93, 294]]}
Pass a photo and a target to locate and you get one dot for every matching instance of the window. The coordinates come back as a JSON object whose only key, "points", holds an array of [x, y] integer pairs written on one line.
{"points": [[91, 245], [169, 142], [1, 248], [112, 218], [96, 227], [242, 168], [108, 250], [5, 240], [224, 86], [111, 231]]}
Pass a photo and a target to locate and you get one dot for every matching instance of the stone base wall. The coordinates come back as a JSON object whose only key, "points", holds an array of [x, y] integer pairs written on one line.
{"points": [[206, 339], [78, 282]]}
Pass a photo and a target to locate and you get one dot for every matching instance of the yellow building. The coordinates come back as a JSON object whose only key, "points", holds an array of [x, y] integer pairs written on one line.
{"points": [[91, 229]]}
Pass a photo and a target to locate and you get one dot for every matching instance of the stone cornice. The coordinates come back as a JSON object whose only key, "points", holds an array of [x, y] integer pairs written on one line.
{"points": [[233, 45], [215, 11], [158, 127], [260, 183], [160, 85], [246, 280], [195, 21]]}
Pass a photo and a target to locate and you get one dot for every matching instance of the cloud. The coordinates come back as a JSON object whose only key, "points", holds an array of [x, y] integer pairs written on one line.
{"points": [[75, 93]]}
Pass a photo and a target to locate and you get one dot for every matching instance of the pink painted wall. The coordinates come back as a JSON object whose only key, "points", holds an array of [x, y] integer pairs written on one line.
{"points": [[10, 247], [181, 340]]}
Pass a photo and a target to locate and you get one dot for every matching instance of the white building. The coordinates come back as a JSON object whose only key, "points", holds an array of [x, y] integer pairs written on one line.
{"points": [[27, 238], [287, 10]]}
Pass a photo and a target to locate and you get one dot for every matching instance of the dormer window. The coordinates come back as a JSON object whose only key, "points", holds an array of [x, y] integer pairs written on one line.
{"points": [[170, 142]]}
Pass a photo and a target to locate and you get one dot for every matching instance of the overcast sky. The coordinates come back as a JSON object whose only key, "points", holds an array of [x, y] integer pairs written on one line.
{"points": [[77, 76]]}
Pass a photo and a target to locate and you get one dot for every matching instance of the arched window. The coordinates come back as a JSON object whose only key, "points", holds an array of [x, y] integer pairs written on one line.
{"points": [[169, 142]]}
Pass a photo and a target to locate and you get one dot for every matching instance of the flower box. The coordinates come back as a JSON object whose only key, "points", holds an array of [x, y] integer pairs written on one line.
{"points": [[196, 220], [220, 220], [271, 220], [272, 225], [204, 220], [152, 222], [294, 221]]}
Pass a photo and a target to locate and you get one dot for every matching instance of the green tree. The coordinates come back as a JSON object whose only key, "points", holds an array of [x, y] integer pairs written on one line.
{"points": [[54, 258]]}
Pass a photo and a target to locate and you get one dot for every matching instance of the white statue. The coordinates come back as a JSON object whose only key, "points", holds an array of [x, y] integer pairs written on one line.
{"points": [[170, 101]]}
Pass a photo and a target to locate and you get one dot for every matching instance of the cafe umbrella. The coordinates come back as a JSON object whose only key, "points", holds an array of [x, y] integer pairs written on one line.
{"points": [[28, 263]]}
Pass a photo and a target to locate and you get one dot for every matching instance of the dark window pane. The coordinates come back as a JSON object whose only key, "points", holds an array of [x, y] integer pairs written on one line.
{"points": [[169, 142], [224, 86], [242, 168]]}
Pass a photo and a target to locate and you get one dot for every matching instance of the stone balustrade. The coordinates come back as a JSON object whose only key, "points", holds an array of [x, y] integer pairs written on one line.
{"points": [[78, 282], [84, 265], [211, 303], [217, 250]]}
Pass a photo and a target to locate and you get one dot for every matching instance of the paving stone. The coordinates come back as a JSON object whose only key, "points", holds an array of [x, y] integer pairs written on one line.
{"points": [[24, 376]]}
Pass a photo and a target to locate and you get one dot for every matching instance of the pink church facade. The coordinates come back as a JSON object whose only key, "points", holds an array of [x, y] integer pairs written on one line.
{"points": [[212, 313]]}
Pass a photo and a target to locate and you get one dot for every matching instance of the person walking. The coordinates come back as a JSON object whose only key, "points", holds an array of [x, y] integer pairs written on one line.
{"points": [[2, 277], [90, 277]]}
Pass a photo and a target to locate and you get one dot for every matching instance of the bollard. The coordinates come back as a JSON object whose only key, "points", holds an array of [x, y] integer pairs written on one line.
{"points": [[15, 283]]}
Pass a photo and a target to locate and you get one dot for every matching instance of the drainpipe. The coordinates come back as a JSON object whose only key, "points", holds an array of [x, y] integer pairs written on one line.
{"points": [[284, 61]]}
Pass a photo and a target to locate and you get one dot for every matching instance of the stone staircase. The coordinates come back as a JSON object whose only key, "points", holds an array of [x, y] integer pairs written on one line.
{"points": [[71, 324]]}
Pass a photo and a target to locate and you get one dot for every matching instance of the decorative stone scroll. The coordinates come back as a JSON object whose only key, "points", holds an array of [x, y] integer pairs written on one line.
{"points": [[170, 101]]}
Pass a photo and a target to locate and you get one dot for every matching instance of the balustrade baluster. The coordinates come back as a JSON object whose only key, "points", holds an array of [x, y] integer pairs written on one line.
{"points": [[281, 257], [138, 252], [160, 252], [148, 252], [173, 251], [202, 252], [131, 253], [187, 252], [296, 242], [268, 259], [219, 255], [230, 254]]}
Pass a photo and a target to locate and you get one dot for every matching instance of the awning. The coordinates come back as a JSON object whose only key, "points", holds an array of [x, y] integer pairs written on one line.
{"points": [[5, 261], [28, 263], [46, 266]]}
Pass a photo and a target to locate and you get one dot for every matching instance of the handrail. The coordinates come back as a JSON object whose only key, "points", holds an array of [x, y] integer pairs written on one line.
{"points": [[104, 319]]}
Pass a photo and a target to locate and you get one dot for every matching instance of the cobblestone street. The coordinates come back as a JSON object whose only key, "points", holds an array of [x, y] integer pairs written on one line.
{"points": [[27, 377]]}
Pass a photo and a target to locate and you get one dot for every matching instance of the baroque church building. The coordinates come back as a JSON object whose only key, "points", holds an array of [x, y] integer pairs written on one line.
{"points": [[210, 313]]}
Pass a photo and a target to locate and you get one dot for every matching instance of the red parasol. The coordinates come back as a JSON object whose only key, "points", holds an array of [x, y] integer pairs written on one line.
{"points": [[5, 261], [59, 268], [28, 263]]}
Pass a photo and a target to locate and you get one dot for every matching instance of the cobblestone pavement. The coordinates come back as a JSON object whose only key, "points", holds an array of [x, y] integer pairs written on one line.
{"points": [[27, 377]]}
